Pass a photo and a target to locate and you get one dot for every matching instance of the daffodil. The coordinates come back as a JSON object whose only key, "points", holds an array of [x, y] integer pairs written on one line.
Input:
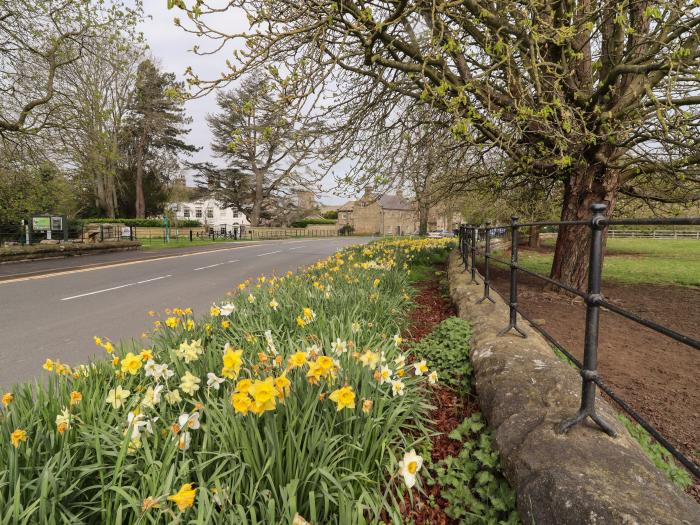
{"points": [[189, 421], [274, 304], [339, 347], [343, 397], [214, 311], [409, 467], [369, 359], [297, 359], [398, 388], [17, 437], [421, 367], [367, 406], [243, 385], [157, 371], [7, 398], [433, 377], [131, 363], [400, 360], [189, 383], [309, 315], [117, 396], [173, 397], [283, 385], [213, 381], [233, 361], [48, 365], [227, 309], [183, 440], [385, 374], [184, 498], [63, 421], [190, 351], [398, 340], [264, 395], [151, 397], [355, 327], [251, 298], [270, 342], [241, 402]]}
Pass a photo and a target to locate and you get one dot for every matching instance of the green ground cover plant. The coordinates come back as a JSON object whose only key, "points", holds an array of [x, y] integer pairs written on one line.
{"points": [[291, 401]]}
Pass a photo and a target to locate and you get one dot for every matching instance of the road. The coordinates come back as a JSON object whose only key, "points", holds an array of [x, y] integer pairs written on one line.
{"points": [[53, 308]]}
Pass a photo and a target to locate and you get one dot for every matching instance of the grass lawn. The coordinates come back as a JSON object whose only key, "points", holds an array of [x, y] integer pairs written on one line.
{"points": [[157, 244], [636, 261]]}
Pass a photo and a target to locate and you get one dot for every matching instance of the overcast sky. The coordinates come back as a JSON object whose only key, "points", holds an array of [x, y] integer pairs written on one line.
{"points": [[171, 46]]}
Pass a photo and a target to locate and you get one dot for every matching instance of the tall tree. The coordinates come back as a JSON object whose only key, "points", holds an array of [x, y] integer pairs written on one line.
{"points": [[268, 140], [594, 94], [39, 39], [155, 124]]}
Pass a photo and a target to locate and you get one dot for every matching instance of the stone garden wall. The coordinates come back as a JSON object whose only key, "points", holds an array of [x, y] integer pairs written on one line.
{"points": [[525, 391]]}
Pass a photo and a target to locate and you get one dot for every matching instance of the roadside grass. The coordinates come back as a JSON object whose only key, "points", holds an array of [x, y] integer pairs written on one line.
{"points": [[634, 261], [287, 400], [159, 244]]}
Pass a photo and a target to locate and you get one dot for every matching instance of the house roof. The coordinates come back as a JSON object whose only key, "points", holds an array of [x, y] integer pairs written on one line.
{"points": [[394, 202], [347, 206]]}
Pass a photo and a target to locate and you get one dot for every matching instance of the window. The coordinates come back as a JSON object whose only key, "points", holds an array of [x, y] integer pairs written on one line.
{"points": [[186, 212], [198, 213], [223, 230], [210, 213]]}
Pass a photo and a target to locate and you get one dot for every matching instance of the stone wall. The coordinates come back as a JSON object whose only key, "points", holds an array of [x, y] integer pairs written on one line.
{"points": [[525, 391]]}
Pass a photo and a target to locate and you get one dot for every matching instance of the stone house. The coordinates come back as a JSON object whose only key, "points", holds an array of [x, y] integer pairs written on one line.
{"points": [[211, 214], [385, 215]]}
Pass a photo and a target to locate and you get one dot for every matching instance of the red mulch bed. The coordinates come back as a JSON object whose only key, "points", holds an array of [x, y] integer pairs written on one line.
{"points": [[657, 376], [433, 306]]}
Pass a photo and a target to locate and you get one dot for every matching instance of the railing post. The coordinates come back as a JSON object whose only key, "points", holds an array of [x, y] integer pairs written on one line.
{"points": [[589, 372], [473, 247], [487, 266], [513, 302]]}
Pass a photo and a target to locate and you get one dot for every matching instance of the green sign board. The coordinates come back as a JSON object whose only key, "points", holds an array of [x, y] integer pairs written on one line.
{"points": [[41, 223]]}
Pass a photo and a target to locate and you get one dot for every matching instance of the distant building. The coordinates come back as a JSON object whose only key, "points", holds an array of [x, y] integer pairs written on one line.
{"points": [[211, 213], [385, 215]]}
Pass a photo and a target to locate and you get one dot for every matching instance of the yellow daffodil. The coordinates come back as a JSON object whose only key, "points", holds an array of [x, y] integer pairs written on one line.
{"points": [[75, 397], [251, 298], [398, 340], [189, 383], [146, 354], [274, 304], [48, 365], [376, 282], [17, 437], [343, 397], [172, 322], [283, 386], [369, 359], [184, 498], [98, 341], [297, 359], [301, 322], [190, 351], [233, 361], [264, 395], [131, 363], [109, 347], [241, 402], [225, 324], [7, 398], [367, 406], [214, 311], [63, 421], [117, 396]]}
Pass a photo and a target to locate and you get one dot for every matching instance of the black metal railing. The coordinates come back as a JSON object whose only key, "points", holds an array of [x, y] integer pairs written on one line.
{"points": [[470, 247]]}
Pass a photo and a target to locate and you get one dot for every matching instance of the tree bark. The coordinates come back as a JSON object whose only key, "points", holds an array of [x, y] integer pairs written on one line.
{"points": [[257, 202], [586, 186], [140, 204], [423, 211]]}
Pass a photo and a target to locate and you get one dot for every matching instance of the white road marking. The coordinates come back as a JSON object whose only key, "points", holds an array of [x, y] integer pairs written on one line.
{"points": [[114, 288], [234, 260], [297, 247], [269, 253], [205, 267]]}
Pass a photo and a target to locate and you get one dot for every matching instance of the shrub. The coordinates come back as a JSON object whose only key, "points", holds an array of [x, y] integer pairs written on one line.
{"points": [[331, 214], [303, 223], [174, 431], [149, 223]]}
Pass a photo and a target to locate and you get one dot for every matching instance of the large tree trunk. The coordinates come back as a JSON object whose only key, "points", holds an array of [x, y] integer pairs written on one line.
{"points": [[257, 201], [140, 204], [423, 211], [586, 186]]}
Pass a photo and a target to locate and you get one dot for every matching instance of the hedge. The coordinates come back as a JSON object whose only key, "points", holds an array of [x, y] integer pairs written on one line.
{"points": [[152, 223], [305, 222]]}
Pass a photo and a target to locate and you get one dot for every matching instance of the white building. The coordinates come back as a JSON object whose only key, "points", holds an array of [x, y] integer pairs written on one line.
{"points": [[212, 214]]}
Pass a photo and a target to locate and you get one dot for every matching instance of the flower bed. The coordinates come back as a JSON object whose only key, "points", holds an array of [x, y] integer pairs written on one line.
{"points": [[293, 400]]}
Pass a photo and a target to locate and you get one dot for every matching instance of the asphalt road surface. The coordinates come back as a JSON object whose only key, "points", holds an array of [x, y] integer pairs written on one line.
{"points": [[53, 308]]}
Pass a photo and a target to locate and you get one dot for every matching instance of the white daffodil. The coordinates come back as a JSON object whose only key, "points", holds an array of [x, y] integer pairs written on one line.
{"points": [[274, 304], [400, 360], [385, 374], [227, 309], [63, 421], [398, 340], [183, 440], [189, 421], [339, 347], [421, 367], [117, 396], [251, 298], [355, 327], [213, 381], [409, 467], [157, 371], [138, 424], [190, 351], [433, 377], [270, 342], [397, 388], [189, 383]]}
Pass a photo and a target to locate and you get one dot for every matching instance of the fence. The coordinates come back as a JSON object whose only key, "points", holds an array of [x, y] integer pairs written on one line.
{"points": [[469, 245], [655, 234]]}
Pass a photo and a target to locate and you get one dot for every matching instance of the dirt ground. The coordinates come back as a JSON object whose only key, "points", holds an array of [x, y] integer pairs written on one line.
{"points": [[657, 376]]}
